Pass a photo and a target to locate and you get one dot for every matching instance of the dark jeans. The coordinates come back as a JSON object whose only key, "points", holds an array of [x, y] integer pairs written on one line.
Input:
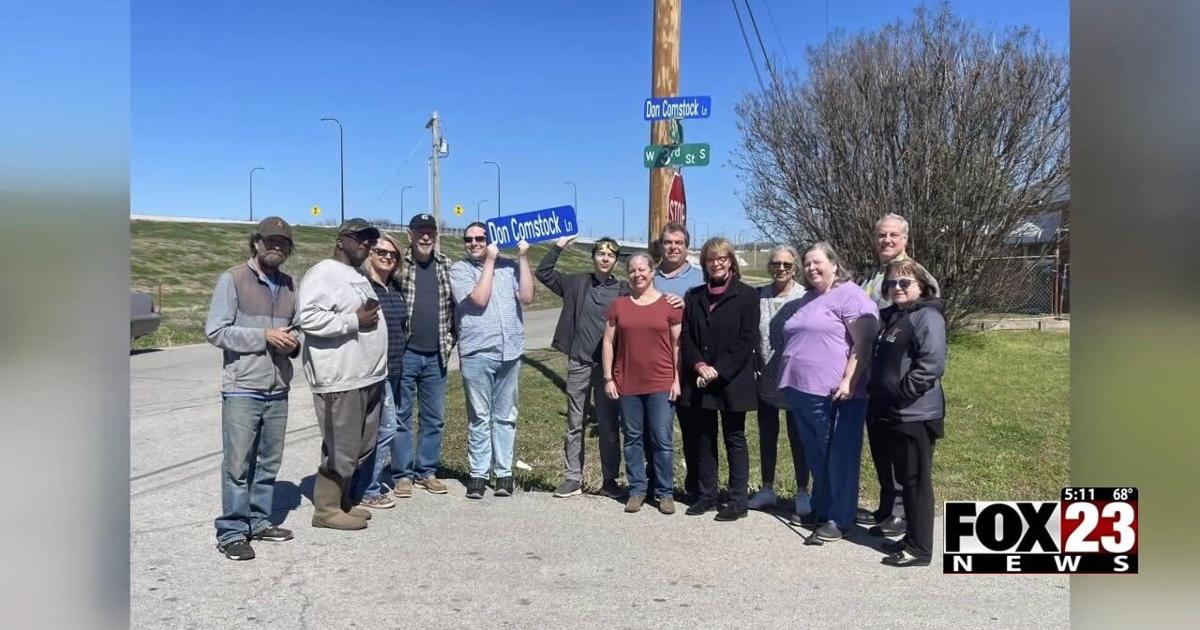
{"points": [[371, 479], [691, 442], [252, 442], [889, 486], [832, 434], [911, 447], [733, 427], [648, 415], [768, 445]]}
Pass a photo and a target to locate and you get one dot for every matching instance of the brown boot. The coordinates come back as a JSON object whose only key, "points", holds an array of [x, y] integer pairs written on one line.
{"points": [[327, 512]]}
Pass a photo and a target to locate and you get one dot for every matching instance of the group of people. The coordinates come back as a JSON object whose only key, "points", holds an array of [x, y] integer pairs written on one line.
{"points": [[375, 324]]}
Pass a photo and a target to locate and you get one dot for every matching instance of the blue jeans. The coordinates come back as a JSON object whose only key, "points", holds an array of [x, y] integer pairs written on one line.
{"points": [[649, 414], [491, 387], [252, 440], [424, 379], [369, 478], [832, 434]]}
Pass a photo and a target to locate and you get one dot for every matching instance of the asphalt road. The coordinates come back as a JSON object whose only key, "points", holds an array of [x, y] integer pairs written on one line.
{"points": [[528, 561]]}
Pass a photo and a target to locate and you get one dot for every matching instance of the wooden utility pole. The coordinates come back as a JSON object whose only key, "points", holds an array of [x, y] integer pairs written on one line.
{"points": [[664, 82]]}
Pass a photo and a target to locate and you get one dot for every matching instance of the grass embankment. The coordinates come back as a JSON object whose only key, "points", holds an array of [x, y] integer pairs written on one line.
{"points": [[184, 260], [1006, 428]]}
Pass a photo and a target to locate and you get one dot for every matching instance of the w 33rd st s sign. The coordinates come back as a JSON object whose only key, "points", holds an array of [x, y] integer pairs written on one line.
{"points": [[659, 155]]}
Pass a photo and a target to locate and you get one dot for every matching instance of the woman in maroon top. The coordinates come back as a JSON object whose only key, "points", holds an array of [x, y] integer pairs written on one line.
{"points": [[640, 354]]}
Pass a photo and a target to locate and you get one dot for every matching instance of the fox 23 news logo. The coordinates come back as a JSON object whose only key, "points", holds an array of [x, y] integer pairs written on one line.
{"points": [[1091, 530]]}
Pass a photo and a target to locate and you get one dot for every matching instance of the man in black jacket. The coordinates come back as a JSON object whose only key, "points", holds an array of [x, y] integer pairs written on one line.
{"points": [[580, 329]]}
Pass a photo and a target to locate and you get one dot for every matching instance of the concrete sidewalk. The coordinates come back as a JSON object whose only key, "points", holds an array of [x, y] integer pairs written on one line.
{"points": [[523, 562]]}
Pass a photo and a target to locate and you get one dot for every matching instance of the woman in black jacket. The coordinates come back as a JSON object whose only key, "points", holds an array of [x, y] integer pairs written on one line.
{"points": [[720, 332], [907, 402]]}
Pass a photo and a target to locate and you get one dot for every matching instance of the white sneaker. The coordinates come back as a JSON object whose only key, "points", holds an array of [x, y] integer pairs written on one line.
{"points": [[763, 499], [803, 503]]}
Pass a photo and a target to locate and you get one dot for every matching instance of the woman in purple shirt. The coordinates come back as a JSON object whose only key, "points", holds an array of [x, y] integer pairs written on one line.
{"points": [[825, 366]]}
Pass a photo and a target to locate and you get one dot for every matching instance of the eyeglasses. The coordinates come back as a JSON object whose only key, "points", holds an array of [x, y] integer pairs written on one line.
{"points": [[361, 239], [903, 283], [386, 253], [474, 239], [781, 265], [723, 259]]}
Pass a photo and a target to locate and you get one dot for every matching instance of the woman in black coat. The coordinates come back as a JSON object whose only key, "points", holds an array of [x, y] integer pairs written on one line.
{"points": [[720, 332], [907, 403]]}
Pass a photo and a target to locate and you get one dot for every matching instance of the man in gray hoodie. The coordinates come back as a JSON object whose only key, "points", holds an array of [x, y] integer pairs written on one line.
{"points": [[345, 363], [250, 320]]}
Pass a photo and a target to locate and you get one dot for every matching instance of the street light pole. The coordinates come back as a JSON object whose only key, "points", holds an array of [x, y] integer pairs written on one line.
{"points": [[622, 217], [402, 203], [576, 196], [341, 163], [481, 202], [497, 186], [256, 168]]}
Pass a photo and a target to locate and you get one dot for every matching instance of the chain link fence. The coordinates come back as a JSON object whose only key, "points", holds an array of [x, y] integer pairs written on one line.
{"points": [[1025, 285]]}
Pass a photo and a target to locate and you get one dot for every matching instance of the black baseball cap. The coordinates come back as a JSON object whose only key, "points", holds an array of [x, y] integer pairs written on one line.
{"points": [[359, 229], [274, 226], [422, 221]]}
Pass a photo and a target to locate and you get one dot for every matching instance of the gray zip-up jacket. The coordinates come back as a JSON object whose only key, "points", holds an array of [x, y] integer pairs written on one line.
{"points": [[242, 311]]}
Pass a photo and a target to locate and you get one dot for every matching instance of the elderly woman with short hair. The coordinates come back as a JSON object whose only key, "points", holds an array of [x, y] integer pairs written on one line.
{"points": [[823, 374], [720, 334], [907, 405], [776, 303]]}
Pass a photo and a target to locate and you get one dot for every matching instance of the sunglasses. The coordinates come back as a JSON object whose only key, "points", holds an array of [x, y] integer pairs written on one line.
{"points": [[781, 265], [474, 239], [386, 253], [903, 283]]}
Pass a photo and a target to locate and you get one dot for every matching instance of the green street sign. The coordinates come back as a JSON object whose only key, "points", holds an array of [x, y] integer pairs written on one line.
{"points": [[658, 155]]}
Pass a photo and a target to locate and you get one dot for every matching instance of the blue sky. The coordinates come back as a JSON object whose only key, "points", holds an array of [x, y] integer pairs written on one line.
{"points": [[551, 91]]}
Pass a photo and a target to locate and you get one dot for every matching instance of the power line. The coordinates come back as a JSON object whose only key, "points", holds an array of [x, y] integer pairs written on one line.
{"points": [[766, 57], [402, 165], [749, 50], [777, 37]]}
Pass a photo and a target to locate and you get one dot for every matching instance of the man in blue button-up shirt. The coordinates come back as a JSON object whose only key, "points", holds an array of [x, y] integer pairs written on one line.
{"points": [[488, 294]]}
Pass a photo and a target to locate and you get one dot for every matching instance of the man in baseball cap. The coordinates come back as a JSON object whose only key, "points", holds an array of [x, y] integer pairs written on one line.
{"points": [[425, 284], [251, 319], [345, 363]]}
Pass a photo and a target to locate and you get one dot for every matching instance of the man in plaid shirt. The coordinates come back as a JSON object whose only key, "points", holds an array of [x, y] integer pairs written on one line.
{"points": [[431, 337]]}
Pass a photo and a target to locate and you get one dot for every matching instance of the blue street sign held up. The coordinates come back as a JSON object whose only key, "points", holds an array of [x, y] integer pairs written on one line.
{"points": [[534, 227], [677, 107]]}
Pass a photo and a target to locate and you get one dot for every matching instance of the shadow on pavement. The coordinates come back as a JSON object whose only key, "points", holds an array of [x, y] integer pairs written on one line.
{"points": [[144, 351], [858, 535], [287, 497]]}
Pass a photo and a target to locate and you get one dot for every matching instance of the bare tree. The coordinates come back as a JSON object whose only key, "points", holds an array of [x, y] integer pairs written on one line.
{"points": [[962, 131]]}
